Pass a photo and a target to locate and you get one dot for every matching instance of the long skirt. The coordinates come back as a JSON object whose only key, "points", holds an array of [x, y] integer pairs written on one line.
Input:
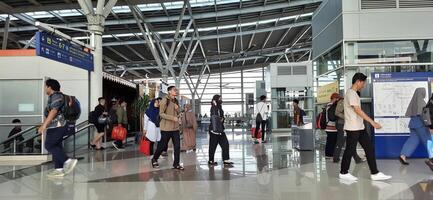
{"points": [[189, 140]]}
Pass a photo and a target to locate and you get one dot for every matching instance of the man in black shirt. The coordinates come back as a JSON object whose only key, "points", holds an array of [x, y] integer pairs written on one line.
{"points": [[18, 139]]}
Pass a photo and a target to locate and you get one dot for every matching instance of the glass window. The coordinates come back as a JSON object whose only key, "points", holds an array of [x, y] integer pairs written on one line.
{"points": [[406, 51]]}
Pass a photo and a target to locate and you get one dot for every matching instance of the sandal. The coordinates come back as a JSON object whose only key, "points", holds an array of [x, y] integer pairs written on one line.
{"points": [[212, 163], [155, 164], [178, 167]]}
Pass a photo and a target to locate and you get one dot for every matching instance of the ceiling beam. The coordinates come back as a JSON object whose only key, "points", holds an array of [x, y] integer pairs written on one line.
{"points": [[58, 16], [212, 62], [196, 16], [211, 37]]}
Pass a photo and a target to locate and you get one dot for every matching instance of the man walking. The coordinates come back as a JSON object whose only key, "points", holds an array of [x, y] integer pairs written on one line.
{"points": [[169, 110], [55, 127], [354, 126]]}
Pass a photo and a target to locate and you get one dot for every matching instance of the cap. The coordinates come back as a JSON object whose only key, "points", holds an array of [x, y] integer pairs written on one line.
{"points": [[335, 95]]}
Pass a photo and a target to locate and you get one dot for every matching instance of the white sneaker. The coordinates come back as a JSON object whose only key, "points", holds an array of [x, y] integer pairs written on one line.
{"points": [[380, 177], [348, 177], [69, 165], [56, 174]]}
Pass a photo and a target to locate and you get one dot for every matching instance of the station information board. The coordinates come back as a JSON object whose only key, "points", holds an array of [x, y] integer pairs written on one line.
{"points": [[392, 93], [61, 50]]}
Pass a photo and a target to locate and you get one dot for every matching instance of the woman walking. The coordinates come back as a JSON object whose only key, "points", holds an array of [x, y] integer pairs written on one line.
{"points": [[217, 134], [189, 128], [151, 123], [419, 132]]}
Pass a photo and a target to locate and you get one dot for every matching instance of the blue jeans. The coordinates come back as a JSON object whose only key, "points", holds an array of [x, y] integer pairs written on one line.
{"points": [[417, 135], [54, 145]]}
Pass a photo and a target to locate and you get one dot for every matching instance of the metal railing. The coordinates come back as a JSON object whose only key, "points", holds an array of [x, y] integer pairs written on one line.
{"points": [[15, 143]]}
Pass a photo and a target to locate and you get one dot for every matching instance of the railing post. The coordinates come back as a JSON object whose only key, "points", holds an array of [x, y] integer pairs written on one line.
{"points": [[74, 144], [15, 147]]}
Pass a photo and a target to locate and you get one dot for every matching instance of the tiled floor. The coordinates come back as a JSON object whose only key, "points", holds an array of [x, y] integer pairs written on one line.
{"points": [[270, 171]]}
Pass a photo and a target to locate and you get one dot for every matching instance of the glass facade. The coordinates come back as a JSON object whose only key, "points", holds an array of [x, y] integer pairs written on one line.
{"points": [[381, 52], [231, 89]]}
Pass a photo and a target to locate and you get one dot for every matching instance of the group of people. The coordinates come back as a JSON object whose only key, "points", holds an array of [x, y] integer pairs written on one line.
{"points": [[345, 117], [105, 119], [165, 121]]}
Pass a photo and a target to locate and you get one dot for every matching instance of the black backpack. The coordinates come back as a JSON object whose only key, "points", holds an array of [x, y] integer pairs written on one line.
{"points": [[92, 117], [71, 108], [321, 120], [331, 112]]}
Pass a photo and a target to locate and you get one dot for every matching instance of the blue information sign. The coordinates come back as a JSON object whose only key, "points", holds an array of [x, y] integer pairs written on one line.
{"points": [[58, 49], [392, 93]]}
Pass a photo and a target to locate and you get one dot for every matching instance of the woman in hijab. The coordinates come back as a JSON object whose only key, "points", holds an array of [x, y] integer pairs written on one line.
{"points": [[419, 132], [151, 123], [218, 136], [189, 129]]}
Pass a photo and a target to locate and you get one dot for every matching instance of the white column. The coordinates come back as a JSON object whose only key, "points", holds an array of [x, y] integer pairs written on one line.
{"points": [[96, 75]]}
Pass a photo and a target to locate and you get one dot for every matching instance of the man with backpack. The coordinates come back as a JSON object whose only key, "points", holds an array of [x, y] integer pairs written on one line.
{"points": [[59, 113], [341, 138]]}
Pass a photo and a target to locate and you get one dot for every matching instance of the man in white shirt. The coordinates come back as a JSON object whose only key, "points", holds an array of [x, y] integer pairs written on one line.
{"points": [[262, 109], [354, 125]]}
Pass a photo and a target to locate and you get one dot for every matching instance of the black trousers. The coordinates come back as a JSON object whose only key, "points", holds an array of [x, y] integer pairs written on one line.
{"points": [[341, 140], [263, 128], [224, 144], [54, 145], [331, 139], [163, 145], [353, 137]]}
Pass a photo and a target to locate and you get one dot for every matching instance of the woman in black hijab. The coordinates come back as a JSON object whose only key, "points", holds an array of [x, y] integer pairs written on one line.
{"points": [[217, 134]]}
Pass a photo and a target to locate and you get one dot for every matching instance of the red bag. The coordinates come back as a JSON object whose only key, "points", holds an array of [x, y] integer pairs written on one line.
{"points": [[145, 147], [118, 133], [253, 131]]}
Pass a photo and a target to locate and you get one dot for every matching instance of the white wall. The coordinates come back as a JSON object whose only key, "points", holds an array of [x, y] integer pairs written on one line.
{"points": [[291, 81], [73, 80], [386, 24]]}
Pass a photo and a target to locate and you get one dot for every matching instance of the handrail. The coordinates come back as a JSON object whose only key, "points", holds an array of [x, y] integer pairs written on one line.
{"points": [[78, 130], [38, 135], [17, 134], [27, 130]]}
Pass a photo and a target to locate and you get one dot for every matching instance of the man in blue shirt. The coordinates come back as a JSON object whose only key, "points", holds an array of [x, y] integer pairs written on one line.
{"points": [[55, 127]]}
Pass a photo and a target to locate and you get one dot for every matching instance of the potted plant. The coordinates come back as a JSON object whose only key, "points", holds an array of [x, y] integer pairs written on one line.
{"points": [[139, 107]]}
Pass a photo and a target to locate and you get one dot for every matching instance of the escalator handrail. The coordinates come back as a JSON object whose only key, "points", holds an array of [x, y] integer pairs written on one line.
{"points": [[17, 134], [28, 130], [38, 135], [78, 130]]}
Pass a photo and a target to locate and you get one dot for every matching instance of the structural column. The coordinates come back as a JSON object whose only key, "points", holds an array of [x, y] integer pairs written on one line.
{"points": [[96, 81], [96, 20]]}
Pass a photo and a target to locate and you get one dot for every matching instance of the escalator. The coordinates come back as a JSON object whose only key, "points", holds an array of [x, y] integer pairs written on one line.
{"points": [[27, 145]]}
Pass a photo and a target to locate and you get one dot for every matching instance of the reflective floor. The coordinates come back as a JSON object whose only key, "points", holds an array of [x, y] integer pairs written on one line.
{"points": [[261, 171]]}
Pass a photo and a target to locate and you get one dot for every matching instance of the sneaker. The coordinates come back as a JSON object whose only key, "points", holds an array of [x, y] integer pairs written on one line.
{"points": [[115, 146], [346, 182], [380, 177], [348, 177], [69, 165], [56, 174]]}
